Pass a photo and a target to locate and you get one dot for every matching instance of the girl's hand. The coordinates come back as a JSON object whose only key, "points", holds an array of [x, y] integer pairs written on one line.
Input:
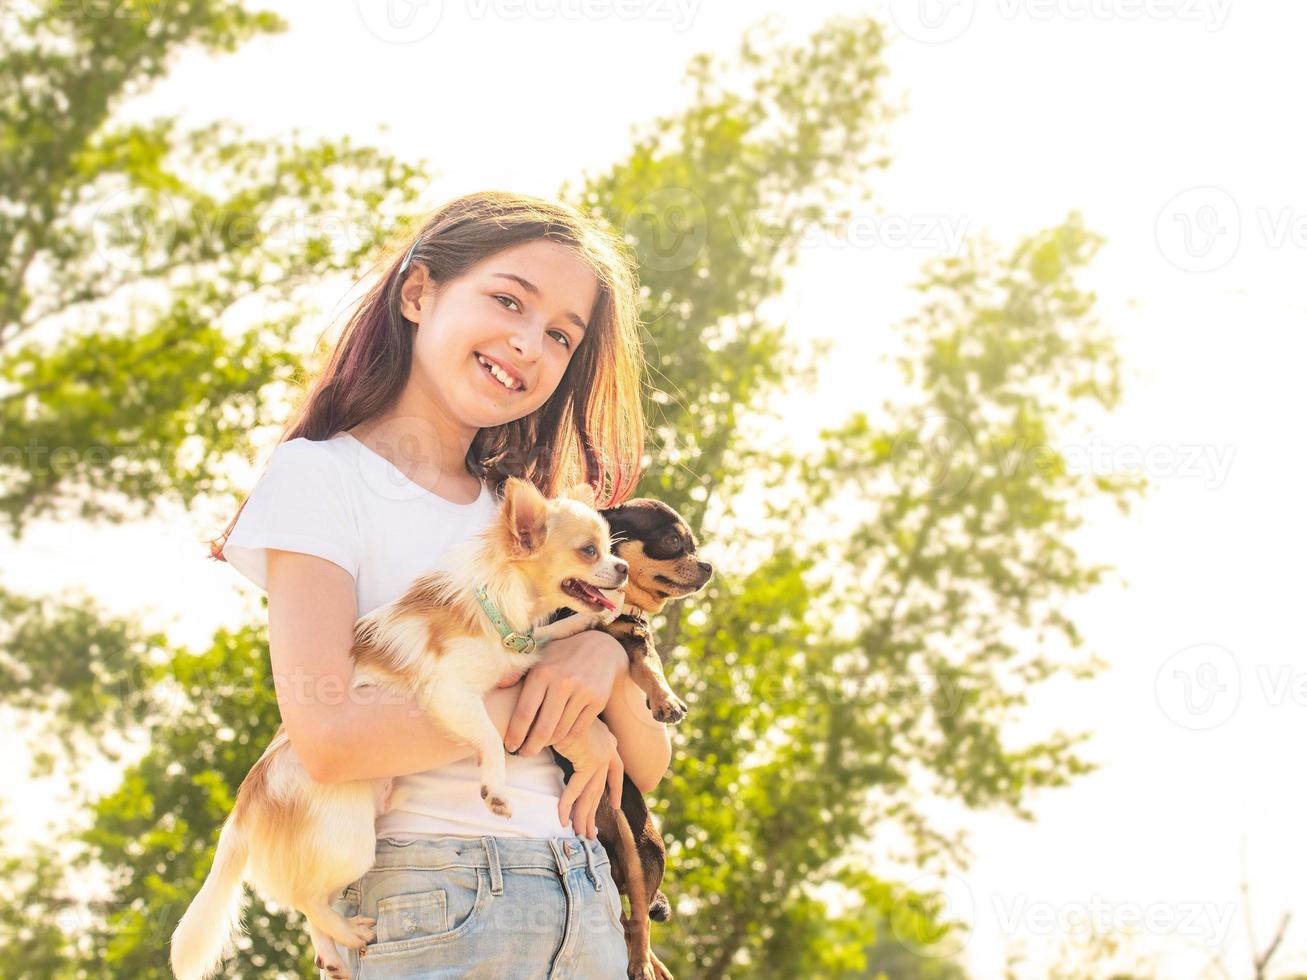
{"points": [[508, 680], [564, 692], [594, 758]]}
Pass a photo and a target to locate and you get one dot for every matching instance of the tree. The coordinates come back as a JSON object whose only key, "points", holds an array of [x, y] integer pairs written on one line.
{"points": [[870, 568], [129, 251], [846, 677]]}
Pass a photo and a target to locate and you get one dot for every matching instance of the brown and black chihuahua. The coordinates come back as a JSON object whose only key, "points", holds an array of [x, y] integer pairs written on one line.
{"points": [[659, 550]]}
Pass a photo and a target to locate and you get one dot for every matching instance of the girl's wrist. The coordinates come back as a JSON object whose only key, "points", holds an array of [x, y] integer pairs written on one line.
{"points": [[623, 670], [622, 685]]}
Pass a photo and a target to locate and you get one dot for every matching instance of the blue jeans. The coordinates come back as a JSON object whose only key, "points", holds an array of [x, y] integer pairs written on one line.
{"points": [[488, 907]]}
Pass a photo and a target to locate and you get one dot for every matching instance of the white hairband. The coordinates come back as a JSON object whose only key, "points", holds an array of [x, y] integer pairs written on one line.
{"points": [[408, 256]]}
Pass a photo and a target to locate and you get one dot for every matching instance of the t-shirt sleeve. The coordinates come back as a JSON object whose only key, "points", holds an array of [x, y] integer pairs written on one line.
{"points": [[298, 504]]}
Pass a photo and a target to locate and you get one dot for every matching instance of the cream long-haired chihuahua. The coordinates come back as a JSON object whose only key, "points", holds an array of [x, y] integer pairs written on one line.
{"points": [[299, 842]]}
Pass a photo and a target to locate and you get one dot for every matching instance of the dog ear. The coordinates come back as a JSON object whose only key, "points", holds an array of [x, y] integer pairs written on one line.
{"points": [[582, 492], [525, 511]]}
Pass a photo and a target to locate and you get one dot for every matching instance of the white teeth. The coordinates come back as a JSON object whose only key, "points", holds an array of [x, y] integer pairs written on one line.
{"points": [[505, 379]]}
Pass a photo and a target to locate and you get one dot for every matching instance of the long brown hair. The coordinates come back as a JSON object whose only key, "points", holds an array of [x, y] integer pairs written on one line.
{"points": [[590, 431]]}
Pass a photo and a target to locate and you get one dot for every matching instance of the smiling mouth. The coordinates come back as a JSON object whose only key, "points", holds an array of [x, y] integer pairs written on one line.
{"points": [[586, 593], [489, 373]]}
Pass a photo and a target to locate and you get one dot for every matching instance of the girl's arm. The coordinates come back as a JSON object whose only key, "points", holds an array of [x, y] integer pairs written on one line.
{"points": [[367, 733], [643, 744], [338, 733]]}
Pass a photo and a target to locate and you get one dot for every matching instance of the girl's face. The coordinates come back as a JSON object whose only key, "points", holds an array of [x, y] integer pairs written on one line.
{"points": [[524, 309]]}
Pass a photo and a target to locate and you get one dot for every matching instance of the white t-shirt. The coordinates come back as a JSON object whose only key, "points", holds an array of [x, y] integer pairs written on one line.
{"points": [[341, 501]]}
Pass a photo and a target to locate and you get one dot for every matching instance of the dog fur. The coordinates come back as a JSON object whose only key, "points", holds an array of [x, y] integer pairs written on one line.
{"points": [[298, 842], [660, 552]]}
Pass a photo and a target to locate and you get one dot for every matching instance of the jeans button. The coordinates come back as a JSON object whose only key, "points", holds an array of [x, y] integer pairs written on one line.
{"points": [[567, 848]]}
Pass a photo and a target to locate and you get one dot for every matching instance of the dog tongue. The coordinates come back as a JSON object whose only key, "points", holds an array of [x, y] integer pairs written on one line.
{"points": [[596, 594]]}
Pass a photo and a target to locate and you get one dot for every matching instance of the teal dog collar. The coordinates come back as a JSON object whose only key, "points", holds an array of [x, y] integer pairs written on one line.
{"points": [[514, 640]]}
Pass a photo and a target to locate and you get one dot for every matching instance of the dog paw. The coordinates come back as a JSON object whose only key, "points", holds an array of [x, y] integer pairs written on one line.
{"points": [[660, 971], [497, 801], [333, 966], [670, 710], [362, 932], [618, 598]]}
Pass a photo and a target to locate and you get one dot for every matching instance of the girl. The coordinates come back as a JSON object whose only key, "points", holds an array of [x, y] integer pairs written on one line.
{"points": [[503, 342]]}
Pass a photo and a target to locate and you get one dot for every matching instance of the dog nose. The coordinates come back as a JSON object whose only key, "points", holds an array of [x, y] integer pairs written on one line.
{"points": [[620, 565], [705, 567]]}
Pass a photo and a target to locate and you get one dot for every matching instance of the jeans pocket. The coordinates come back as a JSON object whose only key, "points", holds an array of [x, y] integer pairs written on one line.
{"points": [[417, 908], [406, 916]]}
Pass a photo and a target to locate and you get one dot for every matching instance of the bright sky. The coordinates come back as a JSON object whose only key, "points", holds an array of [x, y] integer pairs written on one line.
{"points": [[1170, 125]]}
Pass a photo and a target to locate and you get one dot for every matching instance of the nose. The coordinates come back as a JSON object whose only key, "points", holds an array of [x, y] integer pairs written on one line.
{"points": [[527, 341], [705, 567], [621, 567]]}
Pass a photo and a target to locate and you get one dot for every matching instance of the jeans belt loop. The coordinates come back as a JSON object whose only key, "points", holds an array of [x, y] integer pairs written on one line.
{"points": [[492, 855], [590, 866]]}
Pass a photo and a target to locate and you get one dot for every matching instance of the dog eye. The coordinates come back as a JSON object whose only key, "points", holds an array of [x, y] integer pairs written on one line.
{"points": [[591, 551]]}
